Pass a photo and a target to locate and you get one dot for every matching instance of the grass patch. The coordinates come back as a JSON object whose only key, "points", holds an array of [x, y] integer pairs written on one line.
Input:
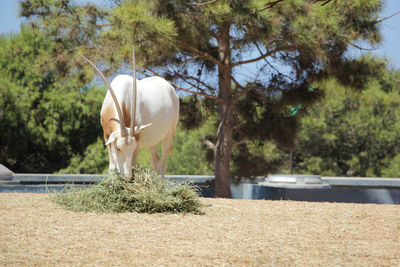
{"points": [[145, 192]]}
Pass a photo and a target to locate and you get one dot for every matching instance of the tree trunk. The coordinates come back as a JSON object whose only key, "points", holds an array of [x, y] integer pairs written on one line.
{"points": [[223, 149]]}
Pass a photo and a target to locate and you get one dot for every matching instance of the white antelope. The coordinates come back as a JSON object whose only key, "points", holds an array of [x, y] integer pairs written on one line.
{"points": [[151, 106]]}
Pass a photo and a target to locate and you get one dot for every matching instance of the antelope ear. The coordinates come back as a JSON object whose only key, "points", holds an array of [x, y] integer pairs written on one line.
{"points": [[112, 138], [138, 129]]}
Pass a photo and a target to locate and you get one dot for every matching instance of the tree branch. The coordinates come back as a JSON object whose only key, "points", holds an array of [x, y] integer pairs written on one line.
{"points": [[244, 90], [236, 127], [237, 83], [239, 143], [183, 89], [204, 56], [203, 4], [105, 25], [325, 2], [382, 19], [271, 4], [273, 67], [251, 60], [184, 78], [209, 145], [267, 54], [361, 48]]}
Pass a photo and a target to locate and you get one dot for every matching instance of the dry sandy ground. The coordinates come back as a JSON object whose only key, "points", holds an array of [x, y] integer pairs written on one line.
{"points": [[36, 232]]}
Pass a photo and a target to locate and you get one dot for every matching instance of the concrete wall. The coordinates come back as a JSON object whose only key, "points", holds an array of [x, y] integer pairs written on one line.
{"points": [[331, 189]]}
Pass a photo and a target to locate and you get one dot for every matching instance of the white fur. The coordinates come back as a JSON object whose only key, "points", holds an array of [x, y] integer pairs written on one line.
{"points": [[157, 115]]}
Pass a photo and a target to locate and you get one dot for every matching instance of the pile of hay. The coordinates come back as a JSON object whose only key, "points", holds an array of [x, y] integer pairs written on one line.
{"points": [[145, 191]]}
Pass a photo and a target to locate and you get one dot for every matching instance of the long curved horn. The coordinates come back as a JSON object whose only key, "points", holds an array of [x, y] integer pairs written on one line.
{"points": [[120, 115], [133, 113]]}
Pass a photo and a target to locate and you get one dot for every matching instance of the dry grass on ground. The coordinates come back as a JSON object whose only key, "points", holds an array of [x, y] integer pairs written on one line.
{"points": [[36, 232]]}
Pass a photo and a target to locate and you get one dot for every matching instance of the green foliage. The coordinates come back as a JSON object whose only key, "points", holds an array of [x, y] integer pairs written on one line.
{"points": [[255, 159], [144, 192], [155, 32], [46, 117], [93, 160], [391, 167], [352, 134], [188, 155], [297, 45], [70, 28]]}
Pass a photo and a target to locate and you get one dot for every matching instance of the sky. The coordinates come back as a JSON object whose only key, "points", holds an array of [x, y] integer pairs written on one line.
{"points": [[389, 48]]}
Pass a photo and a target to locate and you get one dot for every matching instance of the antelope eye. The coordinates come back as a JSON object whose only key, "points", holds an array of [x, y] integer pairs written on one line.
{"points": [[118, 148]]}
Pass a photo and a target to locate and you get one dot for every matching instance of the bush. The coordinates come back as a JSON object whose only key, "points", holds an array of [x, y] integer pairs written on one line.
{"points": [[145, 191]]}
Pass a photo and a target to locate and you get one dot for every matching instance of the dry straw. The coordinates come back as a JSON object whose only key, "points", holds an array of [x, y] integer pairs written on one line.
{"points": [[145, 192]]}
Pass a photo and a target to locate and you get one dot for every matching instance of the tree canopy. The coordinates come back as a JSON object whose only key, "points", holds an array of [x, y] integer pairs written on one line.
{"points": [[46, 118], [353, 133]]}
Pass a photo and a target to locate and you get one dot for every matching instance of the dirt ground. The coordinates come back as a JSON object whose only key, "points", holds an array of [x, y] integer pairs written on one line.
{"points": [[36, 232]]}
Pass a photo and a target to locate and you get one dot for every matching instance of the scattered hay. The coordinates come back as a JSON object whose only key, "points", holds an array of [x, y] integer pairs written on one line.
{"points": [[145, 192]]}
